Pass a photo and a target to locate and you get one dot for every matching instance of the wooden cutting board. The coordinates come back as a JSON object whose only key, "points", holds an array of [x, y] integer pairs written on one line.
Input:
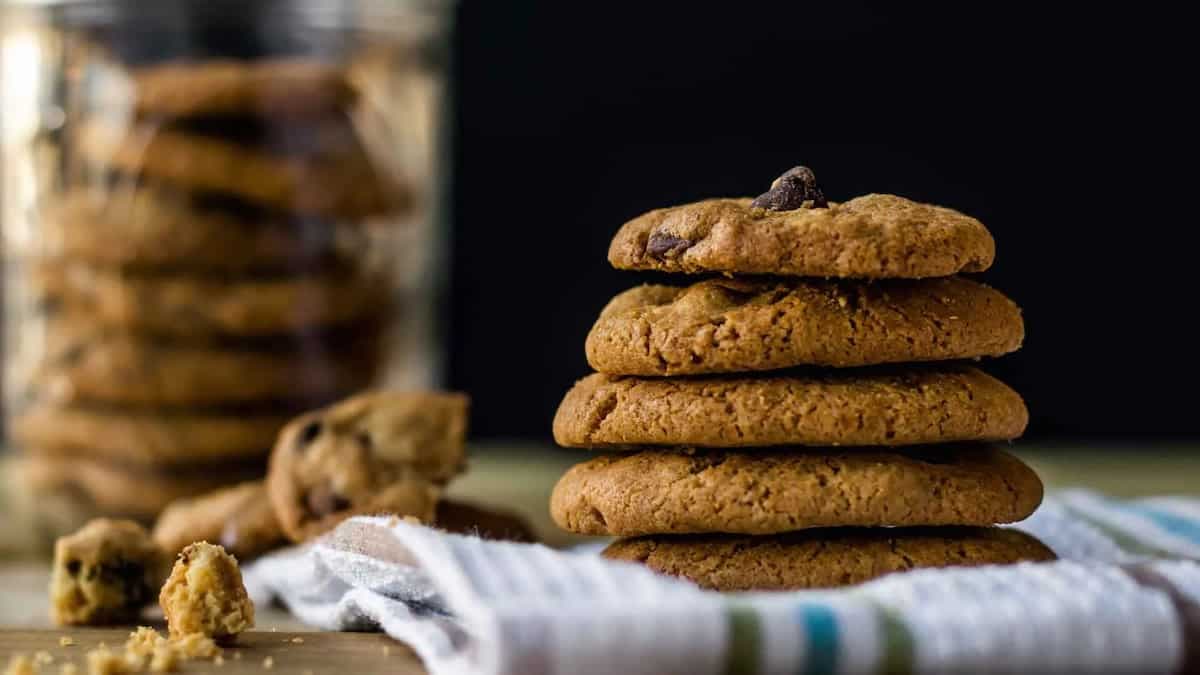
{"points": [[316, 653]]}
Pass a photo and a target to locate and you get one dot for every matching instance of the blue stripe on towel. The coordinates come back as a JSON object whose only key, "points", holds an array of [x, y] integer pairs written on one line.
{"points": [[821, 628]]}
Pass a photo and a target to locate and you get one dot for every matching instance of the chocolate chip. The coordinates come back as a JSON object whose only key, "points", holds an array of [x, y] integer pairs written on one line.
{"points": [[667, 245], [364, 439], [73, 567], [308, 434], [323, 500], [791, 191]]}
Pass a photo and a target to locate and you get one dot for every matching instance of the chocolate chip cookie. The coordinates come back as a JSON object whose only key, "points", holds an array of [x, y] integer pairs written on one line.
{"points": [[873, 236], [84, 363], [145, 438], [153, 227], [738, 325], [324, 172], [205, 595], [202, 307], [112, 488], [240, 518], [888, 407], [823, 558], [268, 88], [105, 573], [380, 452], [775, 491]]}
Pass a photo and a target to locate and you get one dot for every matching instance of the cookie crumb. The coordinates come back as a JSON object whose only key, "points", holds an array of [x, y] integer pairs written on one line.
{"points": [[237, 656], [104, 661], [298, 640], [66, 641], [164, 660], [387, 650], [219, 661], [143, 641], [205, 594], [20, 664], [196, 646], [42, 658], [68, 668], [268, 663]]}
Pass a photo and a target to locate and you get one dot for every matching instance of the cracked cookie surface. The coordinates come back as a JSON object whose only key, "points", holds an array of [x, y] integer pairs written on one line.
{"points": [[873, 236], [770, 492], [823, 558], [890, 408], [737, 325]]}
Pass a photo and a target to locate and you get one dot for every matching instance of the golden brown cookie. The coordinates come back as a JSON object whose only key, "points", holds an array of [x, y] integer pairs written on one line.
{"points": [[874, 236], [146, 438], [268, 88], [823, 558], [147, 227], [205, 595], [240, 518], [888, 407], [323, 171], [379, 452], [114, 489], [105, 573], [769, 492], [84, 363], [738, 325], [202, 307], [483, 522]]}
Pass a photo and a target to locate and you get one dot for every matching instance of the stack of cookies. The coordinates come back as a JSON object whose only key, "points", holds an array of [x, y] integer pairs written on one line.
{"points": [[203, 273], [806, 419]]}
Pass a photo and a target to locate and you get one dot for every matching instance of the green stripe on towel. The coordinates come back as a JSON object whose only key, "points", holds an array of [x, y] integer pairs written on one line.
{"points": [[745, 641]]}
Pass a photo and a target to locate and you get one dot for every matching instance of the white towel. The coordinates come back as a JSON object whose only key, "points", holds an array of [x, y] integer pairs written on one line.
{"points": [[1124, 597]]}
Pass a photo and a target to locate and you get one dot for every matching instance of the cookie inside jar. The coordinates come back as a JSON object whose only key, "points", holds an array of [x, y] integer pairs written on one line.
{"points": [[229, 228]]}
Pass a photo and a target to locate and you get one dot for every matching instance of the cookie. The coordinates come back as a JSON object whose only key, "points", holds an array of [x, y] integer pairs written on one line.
{"points": [[483, 522], [769, 492], [873, 236], [147, 227], [84, 363], [201, 307], [823, 558], [205, 595], [325, 172], [737, 325], [120, 490], [268, 88], [380, 452], [240, 518], [105, 573], [880, 407], [145, 437]]}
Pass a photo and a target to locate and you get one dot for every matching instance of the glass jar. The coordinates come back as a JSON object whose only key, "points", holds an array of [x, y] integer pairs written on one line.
{"points": [[216, 215]]}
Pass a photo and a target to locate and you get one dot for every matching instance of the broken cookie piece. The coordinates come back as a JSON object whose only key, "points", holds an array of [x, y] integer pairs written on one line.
{"points": [[205, 595], [105, 573], [239, 517], [381, 452]]}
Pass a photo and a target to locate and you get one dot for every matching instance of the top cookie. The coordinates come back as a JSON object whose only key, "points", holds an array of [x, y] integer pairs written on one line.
{"points": [[287, 87], [874, 236]]}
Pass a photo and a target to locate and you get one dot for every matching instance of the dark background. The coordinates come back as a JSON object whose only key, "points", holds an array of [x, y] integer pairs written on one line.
{"points": [[1067, 133]]}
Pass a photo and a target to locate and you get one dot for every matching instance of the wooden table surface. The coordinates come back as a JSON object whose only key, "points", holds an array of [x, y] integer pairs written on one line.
{"points": [[343, 653], [520, 477]]}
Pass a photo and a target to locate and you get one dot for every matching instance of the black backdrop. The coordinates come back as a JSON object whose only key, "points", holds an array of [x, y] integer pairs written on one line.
{"points": [[1067, 133]]}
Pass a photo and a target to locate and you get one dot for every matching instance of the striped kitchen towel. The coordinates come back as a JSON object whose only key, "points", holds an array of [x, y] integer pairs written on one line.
{"points": [[1124, 597]]}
